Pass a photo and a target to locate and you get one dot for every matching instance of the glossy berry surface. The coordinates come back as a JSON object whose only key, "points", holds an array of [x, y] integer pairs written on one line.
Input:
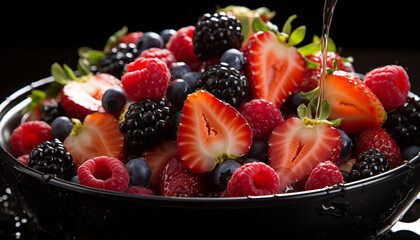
{"points": [[368, 164], [105, 173], [224, 171], [234, 58], [61, 127], [113, 100], [149, 40], [51, 157], [253, 179], [139, 171], [323, 175], [29, 135], [177, 92]]}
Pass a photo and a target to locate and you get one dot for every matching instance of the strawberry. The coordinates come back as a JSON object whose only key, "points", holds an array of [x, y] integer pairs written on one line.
{"points": [[353, 101], [298, 145], [157, 157], [313, 74], [275, 70], [210, 131], [180, 182], [99, 135], [80, 98], [378, 138]]}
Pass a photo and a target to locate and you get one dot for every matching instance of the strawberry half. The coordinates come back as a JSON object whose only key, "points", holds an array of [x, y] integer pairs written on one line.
{"points": [[275, 69], [210, 131], [99, 135], [354, 102], [298, 145], [79, 99], [157, 157]]}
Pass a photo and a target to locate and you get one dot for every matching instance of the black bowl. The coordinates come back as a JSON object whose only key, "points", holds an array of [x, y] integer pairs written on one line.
{"points": [[363, 209]]}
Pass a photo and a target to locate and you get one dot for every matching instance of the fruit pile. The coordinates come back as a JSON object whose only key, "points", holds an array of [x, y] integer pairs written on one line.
{"points": [[224, 108]]}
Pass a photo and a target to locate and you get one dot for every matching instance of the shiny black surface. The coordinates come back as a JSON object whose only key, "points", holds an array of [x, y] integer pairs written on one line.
{"points": [[358, 210]]}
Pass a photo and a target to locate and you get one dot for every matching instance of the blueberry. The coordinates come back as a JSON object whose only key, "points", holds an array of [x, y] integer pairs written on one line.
{"points": [[139, 171], [223, 172], [114, 100], [234, 58], [410, 152], [347, 146], [61, 127], [166, 34], [191, 78], [149, 40], [178, 69], [258, 150], [177, 92]]}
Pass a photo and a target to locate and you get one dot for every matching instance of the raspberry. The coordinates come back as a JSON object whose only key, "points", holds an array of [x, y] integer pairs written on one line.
{"points": [[23, 159], [29, 135], [140, 191], [378, 138], [323, 175], [161, 53], [254, 179], [181, 44], [105, 173], [390, 84], [146, 78], [262, 115]]}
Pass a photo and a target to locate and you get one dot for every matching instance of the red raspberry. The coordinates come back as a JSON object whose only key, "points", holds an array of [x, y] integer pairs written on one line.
{"points": [[23, 159], [253, 179], [378, 138], [178, 181], [323, 175], [390, 84], [146, 78], [161, 53], [29, 135], [262, 115], [132, 37], [105, 173], [312, 75], [181, 45], [140, 191]]}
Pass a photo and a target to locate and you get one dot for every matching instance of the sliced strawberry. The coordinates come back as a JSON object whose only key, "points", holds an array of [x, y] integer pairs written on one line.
{"points": [[79, 99], [99, 135], [274, 69], [157, 157], [353, 101], [295, 148], [177, 181], [210, 131]]}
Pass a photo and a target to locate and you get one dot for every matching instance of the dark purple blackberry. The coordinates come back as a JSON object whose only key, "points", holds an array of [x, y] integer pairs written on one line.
{"points": [[145, 124], [224, 82], [215, 33], [49, 112], [115, 60], [403, 123], [368, 164], [51, 157]]}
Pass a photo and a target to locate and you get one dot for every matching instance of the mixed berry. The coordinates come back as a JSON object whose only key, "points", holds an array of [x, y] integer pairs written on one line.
{"points": [[224, 108]]}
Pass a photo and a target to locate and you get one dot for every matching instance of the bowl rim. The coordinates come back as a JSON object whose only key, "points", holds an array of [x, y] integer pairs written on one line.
{"points": [[21, 94]]}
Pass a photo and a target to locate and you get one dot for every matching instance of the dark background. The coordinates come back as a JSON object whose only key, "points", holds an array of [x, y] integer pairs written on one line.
{"points": [[35, 35]]}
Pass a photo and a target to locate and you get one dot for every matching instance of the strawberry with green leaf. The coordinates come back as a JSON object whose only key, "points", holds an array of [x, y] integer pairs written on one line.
{"points": [[298, 145], [274, 66]]}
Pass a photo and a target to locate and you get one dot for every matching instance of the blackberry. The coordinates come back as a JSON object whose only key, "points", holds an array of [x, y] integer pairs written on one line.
{"points": [[403, 123], [49, 112], [145, 124], [215, 33], [225, 83], [115, 60], [51, 157], [368, 164]]}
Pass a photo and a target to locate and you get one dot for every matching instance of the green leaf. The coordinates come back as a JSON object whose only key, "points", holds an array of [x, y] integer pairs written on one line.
{"points": [[115, 38], [259, 25], [331, 46], [69, 73], [302, 111], [325, 110], [310, 64], [37, 96], [59, 74], [309, 49], [287, 27], [83, 67], [297, 36], [93, 56]]}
